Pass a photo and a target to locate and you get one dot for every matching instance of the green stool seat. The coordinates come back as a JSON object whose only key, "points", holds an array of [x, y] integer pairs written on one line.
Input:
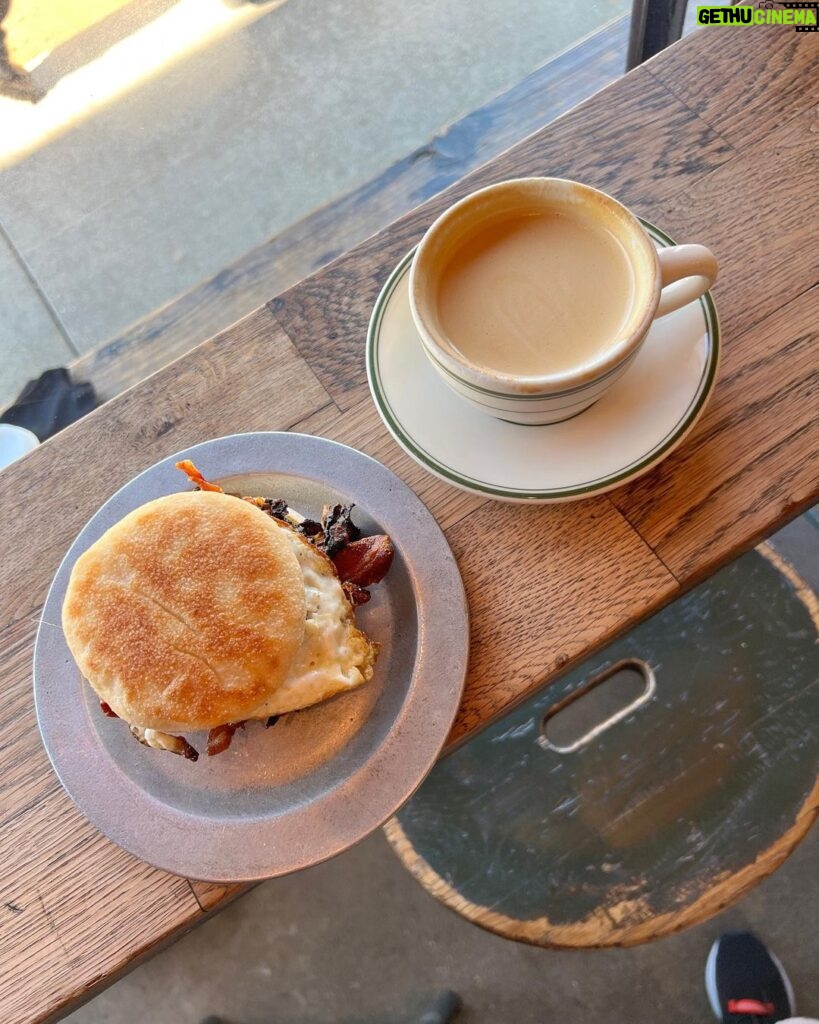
{"points": [[665, 814]]}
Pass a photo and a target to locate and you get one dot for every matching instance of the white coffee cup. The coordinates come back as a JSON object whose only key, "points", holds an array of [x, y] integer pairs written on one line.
{"points": [[662, 282]]}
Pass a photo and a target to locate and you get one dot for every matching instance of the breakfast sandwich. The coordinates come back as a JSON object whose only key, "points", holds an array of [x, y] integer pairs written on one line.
{"points": [[205, 610]]}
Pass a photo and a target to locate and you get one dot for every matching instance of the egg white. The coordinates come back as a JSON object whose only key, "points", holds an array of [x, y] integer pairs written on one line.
{"points": [[334, 656]]}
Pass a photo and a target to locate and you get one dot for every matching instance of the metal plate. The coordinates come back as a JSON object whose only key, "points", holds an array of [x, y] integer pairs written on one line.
{"points": [[320, 780]]}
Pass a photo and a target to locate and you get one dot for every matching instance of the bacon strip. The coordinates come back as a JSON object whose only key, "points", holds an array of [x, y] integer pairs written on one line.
{"points": [[196, 477], [219, 738], [366, 561], [185, 749], [355, 595]]}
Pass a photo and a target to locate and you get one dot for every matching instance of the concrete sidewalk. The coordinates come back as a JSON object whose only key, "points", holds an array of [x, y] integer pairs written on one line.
{"points": [[358, 941], [162, 186]]}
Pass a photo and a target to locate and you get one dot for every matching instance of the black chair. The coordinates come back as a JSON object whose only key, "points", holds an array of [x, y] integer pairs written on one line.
{"points": [[648, 788]]}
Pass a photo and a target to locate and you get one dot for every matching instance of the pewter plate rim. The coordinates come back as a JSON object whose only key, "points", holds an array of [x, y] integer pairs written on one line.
{"points": [[254, 848]]}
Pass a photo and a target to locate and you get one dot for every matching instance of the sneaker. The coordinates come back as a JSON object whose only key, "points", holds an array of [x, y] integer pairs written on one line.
{"points": [[745, 982]]}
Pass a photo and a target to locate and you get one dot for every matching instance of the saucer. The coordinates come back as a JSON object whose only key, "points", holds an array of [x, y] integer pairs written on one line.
{"points": [[635, 425]]}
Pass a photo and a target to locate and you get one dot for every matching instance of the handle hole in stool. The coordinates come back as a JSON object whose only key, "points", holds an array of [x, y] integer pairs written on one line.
{"points": [[597, 705]]}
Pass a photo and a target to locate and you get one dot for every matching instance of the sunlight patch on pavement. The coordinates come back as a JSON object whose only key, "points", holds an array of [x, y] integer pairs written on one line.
{"points": [[188, 26]]}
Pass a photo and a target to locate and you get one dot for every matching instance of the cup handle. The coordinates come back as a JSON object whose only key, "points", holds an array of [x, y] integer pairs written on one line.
{"points": [[686, 273]]}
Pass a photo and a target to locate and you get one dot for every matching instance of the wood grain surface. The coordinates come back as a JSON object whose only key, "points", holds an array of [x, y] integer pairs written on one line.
{"points": [[766, 242], [776, 66], [754, 454], [212, 895], [581, 575], [546, 585]]}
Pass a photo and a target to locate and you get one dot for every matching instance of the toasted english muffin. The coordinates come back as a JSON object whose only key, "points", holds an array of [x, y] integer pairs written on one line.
{"points": [[188, 613]]}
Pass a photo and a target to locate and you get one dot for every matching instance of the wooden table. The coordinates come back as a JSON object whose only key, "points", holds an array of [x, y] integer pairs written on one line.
{"points": [[715, 140]]}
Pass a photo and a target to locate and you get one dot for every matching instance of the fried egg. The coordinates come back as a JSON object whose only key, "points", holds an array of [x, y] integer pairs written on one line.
{"points": [[335, 656]]}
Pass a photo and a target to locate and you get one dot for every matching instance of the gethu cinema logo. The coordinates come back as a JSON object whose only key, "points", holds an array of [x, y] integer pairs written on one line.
{"points": [[803, 16]]}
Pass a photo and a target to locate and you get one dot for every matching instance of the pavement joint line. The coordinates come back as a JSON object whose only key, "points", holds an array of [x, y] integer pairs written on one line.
{"points": [[59, 323]]}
